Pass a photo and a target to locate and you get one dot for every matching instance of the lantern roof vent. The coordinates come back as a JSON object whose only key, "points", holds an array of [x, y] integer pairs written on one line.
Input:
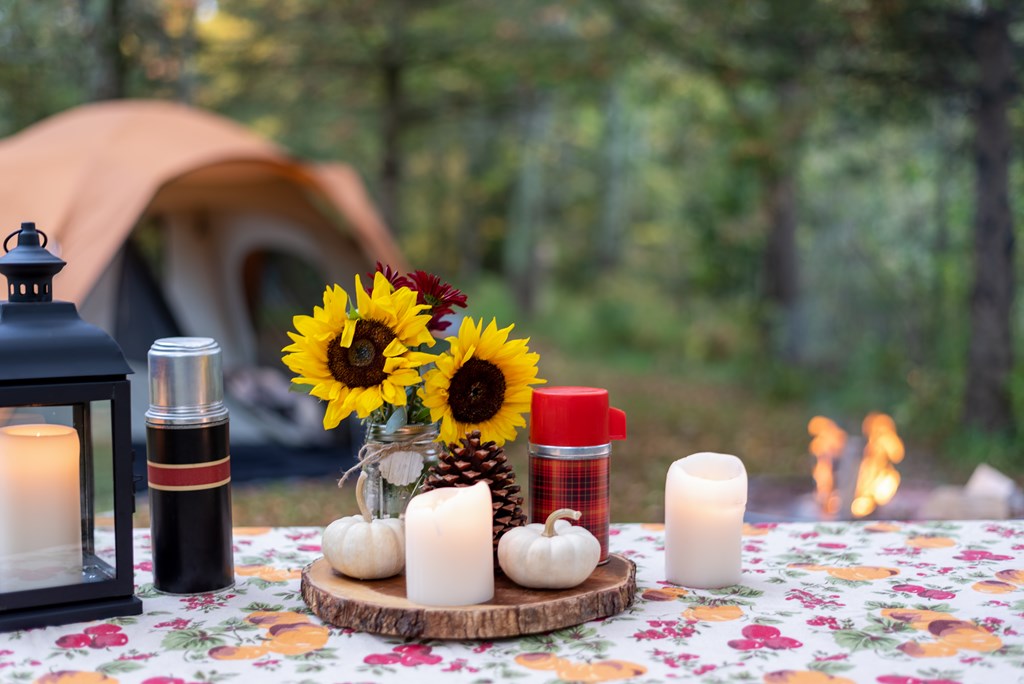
{"points": [[41, 339]]}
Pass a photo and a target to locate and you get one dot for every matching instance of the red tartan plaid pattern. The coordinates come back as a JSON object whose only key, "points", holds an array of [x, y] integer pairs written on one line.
{"points": [[581, 485]]}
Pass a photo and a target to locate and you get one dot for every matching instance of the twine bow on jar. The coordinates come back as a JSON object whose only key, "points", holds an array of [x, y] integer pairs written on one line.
{"points": [[398, 465]]}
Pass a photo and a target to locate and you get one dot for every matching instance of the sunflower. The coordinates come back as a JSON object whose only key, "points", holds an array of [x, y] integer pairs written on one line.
{"points": [[481, 383], [358, 361]]}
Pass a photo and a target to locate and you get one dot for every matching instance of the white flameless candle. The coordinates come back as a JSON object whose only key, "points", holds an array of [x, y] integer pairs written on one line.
{"points": [[449, 553], [40, 506], [705, 496]]}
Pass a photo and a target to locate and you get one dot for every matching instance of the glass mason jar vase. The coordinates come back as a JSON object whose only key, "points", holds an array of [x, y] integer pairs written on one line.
{"points": [[396, 475]]}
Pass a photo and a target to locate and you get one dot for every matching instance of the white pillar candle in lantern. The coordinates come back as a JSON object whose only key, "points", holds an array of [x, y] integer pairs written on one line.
{"points": [[40, 505], [705, 496], [449, 553]]}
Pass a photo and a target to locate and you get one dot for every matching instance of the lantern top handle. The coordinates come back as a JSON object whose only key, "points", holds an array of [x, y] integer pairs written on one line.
{"points": [[28, 236], [29, 267]]}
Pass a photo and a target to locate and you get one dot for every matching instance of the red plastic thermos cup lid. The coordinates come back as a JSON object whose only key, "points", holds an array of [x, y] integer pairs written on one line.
{"points": [[574, 417]]}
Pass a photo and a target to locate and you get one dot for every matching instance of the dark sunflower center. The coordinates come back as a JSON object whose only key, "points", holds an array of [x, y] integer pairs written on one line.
{"points": [[362, 363], [476, 392]]}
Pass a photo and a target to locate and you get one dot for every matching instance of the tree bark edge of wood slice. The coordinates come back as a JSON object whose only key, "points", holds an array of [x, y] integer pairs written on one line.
{"points": [[380, 606]]}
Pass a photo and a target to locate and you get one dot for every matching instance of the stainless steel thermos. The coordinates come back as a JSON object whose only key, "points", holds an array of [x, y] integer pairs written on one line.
{"points": [[189, 467]]}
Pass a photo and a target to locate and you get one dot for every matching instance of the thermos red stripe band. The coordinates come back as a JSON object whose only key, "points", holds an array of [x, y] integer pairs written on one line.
{"points": [[189, 477]]}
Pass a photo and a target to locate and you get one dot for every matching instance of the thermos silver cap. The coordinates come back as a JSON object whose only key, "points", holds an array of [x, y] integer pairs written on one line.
{"points": [[186, 382]]}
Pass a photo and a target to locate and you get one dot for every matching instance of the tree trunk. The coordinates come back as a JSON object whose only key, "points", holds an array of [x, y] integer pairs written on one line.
{"points": [[392, 121], [615, 202], [990, 354], [781, 263], [111, 73], [187, 49], [527, 213]]}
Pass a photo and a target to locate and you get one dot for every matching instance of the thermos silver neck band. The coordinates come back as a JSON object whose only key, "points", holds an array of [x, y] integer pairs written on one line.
{"points": [[186, 385], [573, 453]]}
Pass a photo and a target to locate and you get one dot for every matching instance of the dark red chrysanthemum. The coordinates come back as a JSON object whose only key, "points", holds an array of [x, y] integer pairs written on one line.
{"points": [[396, 279], [440, 296]]}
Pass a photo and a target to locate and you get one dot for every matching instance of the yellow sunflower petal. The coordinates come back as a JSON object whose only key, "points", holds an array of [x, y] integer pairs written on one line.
{"points": [[478, 344]]}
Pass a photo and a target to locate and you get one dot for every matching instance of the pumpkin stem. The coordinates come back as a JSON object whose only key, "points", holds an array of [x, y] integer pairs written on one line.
{"points": [[549, 524], [364, 510]]}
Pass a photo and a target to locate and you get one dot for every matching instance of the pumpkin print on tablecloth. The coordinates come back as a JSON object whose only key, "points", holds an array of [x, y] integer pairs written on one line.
{"points": [[713, 613], [928, 649], [804, 677], [75, 677], [951, 635], [965, 635], [288, 633], [862, 573], [243, 652], [1015, 576], [918, 619], [599, 671], [882, 527], [993, 587], [267, 573], [929, 542]]}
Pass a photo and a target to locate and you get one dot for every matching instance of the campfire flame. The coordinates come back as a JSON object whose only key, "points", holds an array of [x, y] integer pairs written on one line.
{"points": [[827, 444], [878, 479]]}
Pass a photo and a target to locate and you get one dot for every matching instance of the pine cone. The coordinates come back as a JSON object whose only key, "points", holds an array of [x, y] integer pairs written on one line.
{"points": [[465, 464]]}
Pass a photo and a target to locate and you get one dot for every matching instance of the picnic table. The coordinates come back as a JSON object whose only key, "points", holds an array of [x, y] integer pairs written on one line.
{"points": [[836, 602]]}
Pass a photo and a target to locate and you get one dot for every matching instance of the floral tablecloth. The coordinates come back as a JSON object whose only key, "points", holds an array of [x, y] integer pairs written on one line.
{"points": [[888, 603]]}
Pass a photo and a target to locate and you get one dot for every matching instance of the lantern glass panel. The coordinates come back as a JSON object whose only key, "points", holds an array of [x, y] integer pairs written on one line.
{"points": [[56, 496]]}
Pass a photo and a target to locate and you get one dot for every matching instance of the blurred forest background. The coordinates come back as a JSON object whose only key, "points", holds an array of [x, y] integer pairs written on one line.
{"points": [[734, 213]]}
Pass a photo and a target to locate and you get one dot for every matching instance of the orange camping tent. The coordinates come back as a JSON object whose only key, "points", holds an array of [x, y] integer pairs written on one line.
{"points": [[221, 207], [88, 175]]}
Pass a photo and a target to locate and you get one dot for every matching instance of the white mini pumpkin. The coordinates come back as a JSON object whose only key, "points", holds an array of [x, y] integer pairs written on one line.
{"points": [[361, 547], [555, 555]]}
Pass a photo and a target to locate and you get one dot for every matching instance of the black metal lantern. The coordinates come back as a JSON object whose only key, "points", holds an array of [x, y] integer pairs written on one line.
{"points": [[65, 454]]}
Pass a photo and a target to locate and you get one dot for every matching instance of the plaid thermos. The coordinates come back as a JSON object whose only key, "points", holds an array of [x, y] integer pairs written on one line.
{"points": [[571, 429]]}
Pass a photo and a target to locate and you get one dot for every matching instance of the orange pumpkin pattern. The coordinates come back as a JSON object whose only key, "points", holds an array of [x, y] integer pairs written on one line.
{"points": [[863, 573], [268, 573], [724, 613], [572, 671], [928, 542], [1013, 576], [804, 677], [75, 677], [993, 587]]}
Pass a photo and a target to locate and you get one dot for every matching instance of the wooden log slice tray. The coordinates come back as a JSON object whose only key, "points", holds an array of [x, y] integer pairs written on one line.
{"points": [[380, 606]]}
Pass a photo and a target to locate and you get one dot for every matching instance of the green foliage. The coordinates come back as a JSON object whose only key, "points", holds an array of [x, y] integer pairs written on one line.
{"points": [[606, 174]]}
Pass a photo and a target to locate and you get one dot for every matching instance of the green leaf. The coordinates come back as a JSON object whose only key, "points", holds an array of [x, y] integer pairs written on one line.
{"points": [[937, 607], [830, 667], [860, 640], [257, 606], [146, 591], [213, 676], [191, 640], [128, 620], [539, 642], [119, 667], [737, 590]]}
